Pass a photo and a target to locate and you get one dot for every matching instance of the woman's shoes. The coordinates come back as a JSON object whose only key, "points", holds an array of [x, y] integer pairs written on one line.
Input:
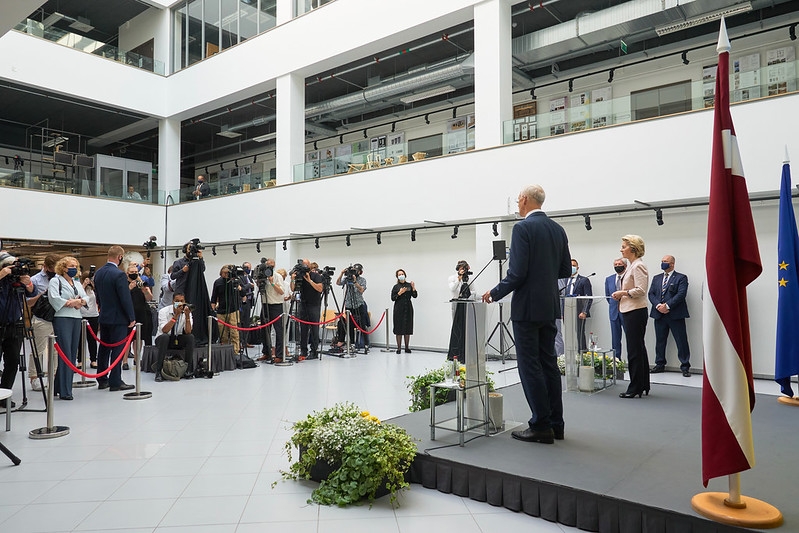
{"points": [[125, 366], [66, 397], [399, 351], [93, 364], [631, 394], [407, 350]]}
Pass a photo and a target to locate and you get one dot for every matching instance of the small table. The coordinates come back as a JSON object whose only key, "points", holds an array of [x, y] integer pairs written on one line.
{"points": [[600, 353], [462, 422]]}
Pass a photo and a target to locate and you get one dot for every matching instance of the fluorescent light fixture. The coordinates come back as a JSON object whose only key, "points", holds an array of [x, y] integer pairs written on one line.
{"points": [[228, 133], [55, 141], [52, 19], [264, 138], [703, 19], [427, 94]]}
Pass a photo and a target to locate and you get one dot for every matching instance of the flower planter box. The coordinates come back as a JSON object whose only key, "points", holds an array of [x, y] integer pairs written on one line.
{"points": [[321, 470]]}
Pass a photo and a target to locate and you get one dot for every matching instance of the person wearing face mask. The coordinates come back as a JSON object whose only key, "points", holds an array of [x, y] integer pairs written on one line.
{"points": [[174, 333], [401, 295], [577, 285], [667, 296], [613, 284], [245, 314], [67, 298], [203, 190], [41, 328], [140, 294], [273, 292], [116, 318], [225, 300]]}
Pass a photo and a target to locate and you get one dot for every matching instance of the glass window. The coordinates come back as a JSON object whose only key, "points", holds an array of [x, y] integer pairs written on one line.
{"points": [[141, 185], [267, 15], [211, 12], [111, 182], [430, 145], [659, 101], [230, 23], [195, 37], [248, 19], [180, 38]]}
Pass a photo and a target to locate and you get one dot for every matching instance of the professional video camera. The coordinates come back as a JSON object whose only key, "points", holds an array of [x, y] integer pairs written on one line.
{"points": [[262, 274], [193, 248], [300, 269], [21, 267], [328, 271], [349, 272], [92, 270], [150, 243]]}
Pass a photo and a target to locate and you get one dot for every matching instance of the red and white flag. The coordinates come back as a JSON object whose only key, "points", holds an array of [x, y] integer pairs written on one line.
{"points": [[732, 262]]}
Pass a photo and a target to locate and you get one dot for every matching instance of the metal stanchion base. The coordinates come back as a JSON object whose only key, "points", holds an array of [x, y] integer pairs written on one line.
{"points": [[49, 433], [83, 384], [143, 395], [284, 363]]}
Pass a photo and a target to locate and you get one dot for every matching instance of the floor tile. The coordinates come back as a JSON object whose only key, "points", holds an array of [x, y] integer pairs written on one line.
{"points": [[214, 510]]}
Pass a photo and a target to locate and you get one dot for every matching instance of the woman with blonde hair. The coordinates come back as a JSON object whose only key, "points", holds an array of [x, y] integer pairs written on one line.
{"points": [[67, 298]]}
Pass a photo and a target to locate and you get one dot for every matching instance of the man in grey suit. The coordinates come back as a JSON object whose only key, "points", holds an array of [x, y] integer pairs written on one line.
{"points": [[539, 255]]}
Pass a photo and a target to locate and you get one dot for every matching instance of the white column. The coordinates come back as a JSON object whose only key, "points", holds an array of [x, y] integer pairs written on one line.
{"points": [[493, 100], [168, 160], [290, 126], [162, 45], [285, 11]]}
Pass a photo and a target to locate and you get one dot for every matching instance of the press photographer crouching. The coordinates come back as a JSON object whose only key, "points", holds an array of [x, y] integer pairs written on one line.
{"points": [[174, 333], [15, 281], [225, 299]]}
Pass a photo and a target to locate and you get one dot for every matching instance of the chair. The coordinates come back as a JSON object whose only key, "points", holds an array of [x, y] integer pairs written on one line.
{"points": [[418, 156], [329, 314]]}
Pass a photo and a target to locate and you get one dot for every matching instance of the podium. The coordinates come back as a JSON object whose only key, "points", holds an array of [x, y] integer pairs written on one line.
{"points": [[472, 400], [572, 329]]}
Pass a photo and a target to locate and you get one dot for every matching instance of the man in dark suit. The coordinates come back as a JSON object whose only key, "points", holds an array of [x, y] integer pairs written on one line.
{"points": [[613, 284], [577, 285], [116, 317], [667, 296], [539, 255]]}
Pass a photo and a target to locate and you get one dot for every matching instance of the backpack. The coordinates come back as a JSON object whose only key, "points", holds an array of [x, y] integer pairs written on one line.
{"points": [[42, 308], [174, 369]]}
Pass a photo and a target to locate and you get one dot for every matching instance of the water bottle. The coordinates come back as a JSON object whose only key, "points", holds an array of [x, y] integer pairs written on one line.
{"points": [[454, 375]]}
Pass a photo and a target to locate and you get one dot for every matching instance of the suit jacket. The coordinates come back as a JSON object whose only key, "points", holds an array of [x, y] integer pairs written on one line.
{"points": [[674, 296], [581, 287], [613, 305], [113, 296], [539, 255], [636, 282]]}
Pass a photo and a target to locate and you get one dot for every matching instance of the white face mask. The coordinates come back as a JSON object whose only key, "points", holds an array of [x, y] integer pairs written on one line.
{"points": [[401, 278]]}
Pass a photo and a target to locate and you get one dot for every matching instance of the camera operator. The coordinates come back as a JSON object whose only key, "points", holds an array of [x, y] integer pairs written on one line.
{"points": [[193, 259], [12, 277], [351, 278], [174, 332], [271, 288], [248, 287], [225, 299], [310, 285], [41, 328], [167, 290]]}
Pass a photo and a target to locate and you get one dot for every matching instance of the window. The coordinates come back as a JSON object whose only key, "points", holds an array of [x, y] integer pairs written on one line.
{"points": [[659, 101], [431, 145]]}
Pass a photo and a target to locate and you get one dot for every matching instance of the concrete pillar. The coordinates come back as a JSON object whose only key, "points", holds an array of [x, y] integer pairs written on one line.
{"points": [[285, 11], [290, 126], [493, 100], [168, 160]]}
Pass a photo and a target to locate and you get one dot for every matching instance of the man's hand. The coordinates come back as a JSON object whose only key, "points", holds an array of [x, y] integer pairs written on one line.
{"points": [[5, 272], [487, 297], [663, 308], [582, 316], [185, 268]]}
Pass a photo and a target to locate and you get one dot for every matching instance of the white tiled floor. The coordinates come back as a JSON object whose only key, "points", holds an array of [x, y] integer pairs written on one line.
{"points": [[201, 456]]}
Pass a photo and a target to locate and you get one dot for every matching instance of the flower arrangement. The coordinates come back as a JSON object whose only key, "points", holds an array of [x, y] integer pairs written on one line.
{"points": [[419, 385], [586, 360], [365, 455]]}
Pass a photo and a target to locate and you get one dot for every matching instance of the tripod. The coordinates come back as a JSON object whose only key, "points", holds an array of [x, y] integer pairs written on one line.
{"points": [[327, 290], [27, 332], [502, 328]]}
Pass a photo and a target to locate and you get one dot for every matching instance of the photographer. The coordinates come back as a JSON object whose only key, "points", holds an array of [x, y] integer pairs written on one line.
{"points": [[270, 287], [12, 279], [460, 290], [248, 287], [174, 332], [354, 284], [310, 285], [191, 262], [41, 328], [140, 294], [225, 299], [91, 314]]}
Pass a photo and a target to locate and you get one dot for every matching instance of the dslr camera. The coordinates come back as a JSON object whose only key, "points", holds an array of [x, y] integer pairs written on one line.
{"points": [[465, 276], [192, 249], [181, 305]]}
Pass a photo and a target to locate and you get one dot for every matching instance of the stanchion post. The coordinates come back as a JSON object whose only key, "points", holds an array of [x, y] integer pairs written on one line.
{"points": [[349, 337], [85, 358], [287, 361], [210, 336], [51, 431], [388, 346], [139, 394]]}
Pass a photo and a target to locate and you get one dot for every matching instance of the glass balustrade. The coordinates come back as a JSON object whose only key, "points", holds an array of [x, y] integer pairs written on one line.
{"points": [[226, 183]]}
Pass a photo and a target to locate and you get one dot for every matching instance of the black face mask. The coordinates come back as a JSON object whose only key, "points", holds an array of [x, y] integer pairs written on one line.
{"points": [[50, 275], [619, 269], [133, 276]]}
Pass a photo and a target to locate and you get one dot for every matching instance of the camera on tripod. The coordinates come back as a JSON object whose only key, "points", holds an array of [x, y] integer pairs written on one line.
{"points": [[350, 272], [262, 274], [328, 271], [300, 269], [21, 267], [193, 248]]}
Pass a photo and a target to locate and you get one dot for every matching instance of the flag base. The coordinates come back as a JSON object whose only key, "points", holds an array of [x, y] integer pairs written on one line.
{"points": [[789, 401], [754, 513]]}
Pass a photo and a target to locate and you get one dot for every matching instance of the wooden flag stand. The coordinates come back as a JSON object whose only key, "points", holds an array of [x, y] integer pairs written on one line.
{"points": [[789, 401], [735, 509]]}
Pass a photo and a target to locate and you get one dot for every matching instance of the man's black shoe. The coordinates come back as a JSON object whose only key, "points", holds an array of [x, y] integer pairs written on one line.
{"points": [[686, 374], [531, 435], [657, 370], [558, 432], [123, 386], [188, 375], [103, 385], [158, 377]]}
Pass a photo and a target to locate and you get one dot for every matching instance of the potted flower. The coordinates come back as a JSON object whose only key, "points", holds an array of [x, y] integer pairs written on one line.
{"points": [[419, 385], [596, 361], [352, 453]]}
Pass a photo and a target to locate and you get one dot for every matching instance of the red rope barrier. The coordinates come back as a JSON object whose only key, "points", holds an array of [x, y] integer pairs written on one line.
{"points": [[301, 321], [255, 328], [95, 337], [77, 370], [371, 330]]}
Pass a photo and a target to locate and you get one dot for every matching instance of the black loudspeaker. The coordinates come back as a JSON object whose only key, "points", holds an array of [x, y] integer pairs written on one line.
{"points": [[499, 250]]}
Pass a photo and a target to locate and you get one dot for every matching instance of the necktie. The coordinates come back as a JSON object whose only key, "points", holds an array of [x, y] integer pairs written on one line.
{"points": [[570, 288], [665, 284], [618, 283]]}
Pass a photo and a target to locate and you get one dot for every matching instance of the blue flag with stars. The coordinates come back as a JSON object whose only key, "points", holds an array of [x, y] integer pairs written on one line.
{"points": [[788, 285]]}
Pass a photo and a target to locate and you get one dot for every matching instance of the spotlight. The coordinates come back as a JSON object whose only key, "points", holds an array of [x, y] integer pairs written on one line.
{"points": [[659, 216], [162, 254], [347, 240], [685, 58], [316, 242], [258, 247], [379, 238], [234, 250], [206, 171], [177, 254], [792, 32], [494, 229], [254, 158], [413, 235], [365, 136], [314, 146], [571, 85], [454, 233], [610, 76], [221, 166], [427, 118], [587, 222], [236, 163], [341, 139], [213, 250], [454, 112], [393, 126], [284, 246], [532, 93]]}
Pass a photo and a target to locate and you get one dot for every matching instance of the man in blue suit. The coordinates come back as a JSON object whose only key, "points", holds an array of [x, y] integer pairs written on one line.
{"points": [[539, 255], [613, 284], [667, 296], [116, 317]]}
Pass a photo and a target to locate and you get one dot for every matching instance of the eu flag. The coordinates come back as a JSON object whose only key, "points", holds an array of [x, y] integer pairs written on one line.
{"points": [[788, 303]]}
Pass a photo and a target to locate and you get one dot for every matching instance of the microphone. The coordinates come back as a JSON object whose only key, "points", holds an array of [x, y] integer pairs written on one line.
{"points": [[591, 274]]}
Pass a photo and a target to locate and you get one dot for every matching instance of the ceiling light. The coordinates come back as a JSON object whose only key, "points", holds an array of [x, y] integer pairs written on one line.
{"points": [[264, 138], [454, 233], [177, 254], [234, 250], [228, 133], [316, 242], [610, 76], [379, 238], [659, 216], [587, 219], [703, 19], [284, 246], [494, 229], [427, 118], [438, 91], [55, 141], [258, 247], [792, 32], [365, 136], [348, 240], [341, 139], [413, 235], [213, 250], [571, 85], [684, 56]]}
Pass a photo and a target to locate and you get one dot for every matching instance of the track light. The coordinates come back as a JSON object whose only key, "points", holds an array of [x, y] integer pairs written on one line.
{"points": [[221, 166], [254, 158], [258, 247], [413, 235], [347, 240], [316, 242], [177, 254], [393, 126], [685, 58], [659, 216], [792, 32], [213, 250], [379, 238], [162, 254], [284, 246], [571, 85], [341, 139], [7, 156], [236, 163], [532, 93], [454, 112], [494, 229], [234, 250], [206, 171], [454, 233], [427, 118], [587, 222], [314, 146], [610, 76], [365, 136]]}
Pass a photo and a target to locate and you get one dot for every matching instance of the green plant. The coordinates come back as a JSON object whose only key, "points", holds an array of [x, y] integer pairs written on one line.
{"points": [[365, 454], [586, 360], [419, 385]]}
